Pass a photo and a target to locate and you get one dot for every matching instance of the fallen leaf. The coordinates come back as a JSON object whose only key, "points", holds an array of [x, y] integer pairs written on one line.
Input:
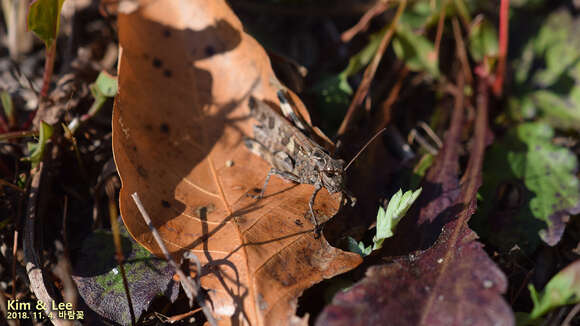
{"points": [[186, 72], [100, 283], [454, 282]]}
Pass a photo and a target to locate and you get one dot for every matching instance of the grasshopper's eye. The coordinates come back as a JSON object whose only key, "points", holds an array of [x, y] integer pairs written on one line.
{"points": [[329, 174], [317, 156]]}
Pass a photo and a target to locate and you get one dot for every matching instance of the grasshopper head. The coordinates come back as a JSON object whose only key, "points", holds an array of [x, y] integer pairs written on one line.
{"points": [[331, 172]]}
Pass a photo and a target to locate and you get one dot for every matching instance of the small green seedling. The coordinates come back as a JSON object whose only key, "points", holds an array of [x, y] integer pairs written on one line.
{"points": [[387, 221], [36, 150], [44, 22], [104, 87]]}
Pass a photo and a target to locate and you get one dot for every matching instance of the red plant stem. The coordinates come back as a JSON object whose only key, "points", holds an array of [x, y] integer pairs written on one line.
{"points": [[503, 43], [3, 125], [48, 68]]}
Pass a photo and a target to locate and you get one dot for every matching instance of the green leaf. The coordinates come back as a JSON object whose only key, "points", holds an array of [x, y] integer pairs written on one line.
{"points": [[528, 183], [388, 219], [8, 107], [563, 289], [483, 41], [421, 168], [358, 247], [332, 99], [36, 150], [419, 14], [462, 10], [44, 19], [364, 56], [105, 85], [559, 111], [558, 44], [548, 171], [416, 50]]}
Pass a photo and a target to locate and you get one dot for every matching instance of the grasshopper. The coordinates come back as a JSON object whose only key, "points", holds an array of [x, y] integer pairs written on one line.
{"points": [[293, 155]]}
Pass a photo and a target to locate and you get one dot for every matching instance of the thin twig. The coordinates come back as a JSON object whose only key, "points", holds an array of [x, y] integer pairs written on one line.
{"points": [[440, 25], [33, 266], [179, 317], [347, 8], [14, 262], [571, 315], [384, 116], [370, 71], [415, 136], [4, 309], [365, 20], [461, 52], [186, 282], [63, 270], [17, 134], [431, 133]]}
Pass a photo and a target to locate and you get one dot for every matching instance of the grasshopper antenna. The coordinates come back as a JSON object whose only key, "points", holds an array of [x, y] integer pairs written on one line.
{"points": [[364, 147]]}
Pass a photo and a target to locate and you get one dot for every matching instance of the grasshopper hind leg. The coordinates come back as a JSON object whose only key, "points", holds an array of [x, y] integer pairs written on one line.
{"points": [[317, 227]]}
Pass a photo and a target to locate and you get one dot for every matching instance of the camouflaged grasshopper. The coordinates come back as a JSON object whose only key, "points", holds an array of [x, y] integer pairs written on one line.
{"points": [[292, 154]]}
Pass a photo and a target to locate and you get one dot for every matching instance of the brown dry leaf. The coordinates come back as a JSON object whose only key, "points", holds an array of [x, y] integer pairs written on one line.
{"points": [[186, 72]]}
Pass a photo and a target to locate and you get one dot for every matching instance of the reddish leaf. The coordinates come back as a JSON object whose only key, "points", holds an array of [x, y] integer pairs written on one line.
{"points": [[452, 283]]}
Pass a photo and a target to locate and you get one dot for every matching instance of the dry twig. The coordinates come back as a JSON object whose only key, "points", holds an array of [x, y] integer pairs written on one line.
{"points": [[191, 288], [370, 71]]}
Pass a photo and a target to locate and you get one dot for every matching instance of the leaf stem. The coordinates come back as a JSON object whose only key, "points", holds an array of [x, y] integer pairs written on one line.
{"points": [[48, 69], [503, 44]]}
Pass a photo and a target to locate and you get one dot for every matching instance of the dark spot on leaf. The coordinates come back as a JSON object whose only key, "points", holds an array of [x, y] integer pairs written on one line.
{"points": [[165, 204], [538, 147], [134, 148], [142, 172], [167, 73], [271, 123], [164, 128], [149, 127], [558, 195], [167, 33], [209, 50], [157, 63]]}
